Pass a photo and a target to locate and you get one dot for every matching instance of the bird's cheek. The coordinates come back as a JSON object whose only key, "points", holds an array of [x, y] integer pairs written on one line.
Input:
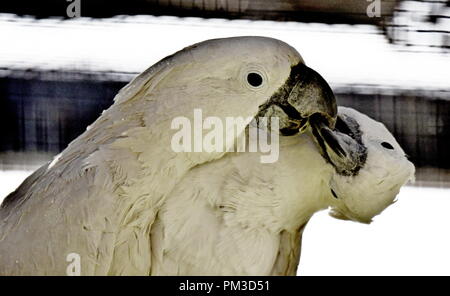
{"points": [[379, 173]]}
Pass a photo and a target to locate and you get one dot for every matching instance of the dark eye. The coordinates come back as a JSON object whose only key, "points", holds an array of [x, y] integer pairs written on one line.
{"points": [[254, 79], [387, 145]]}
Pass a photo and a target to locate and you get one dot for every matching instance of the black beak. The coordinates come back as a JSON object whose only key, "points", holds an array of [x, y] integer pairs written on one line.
{"points": [[305, 93], [341, 146]]}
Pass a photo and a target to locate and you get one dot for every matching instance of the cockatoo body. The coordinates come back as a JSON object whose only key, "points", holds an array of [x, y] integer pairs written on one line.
{"points": [[100, 197]]}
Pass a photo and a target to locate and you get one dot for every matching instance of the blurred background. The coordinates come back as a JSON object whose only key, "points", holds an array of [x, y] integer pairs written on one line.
{"points": [[62, 62]]}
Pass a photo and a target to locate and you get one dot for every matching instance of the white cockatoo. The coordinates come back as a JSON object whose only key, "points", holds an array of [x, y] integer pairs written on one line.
{"points": [[235, 216], [97, 202], [370, 166]]}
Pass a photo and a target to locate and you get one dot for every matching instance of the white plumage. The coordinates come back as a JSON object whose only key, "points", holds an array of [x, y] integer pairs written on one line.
{"points": [[249, 217], [236, 216], [378, 182]]}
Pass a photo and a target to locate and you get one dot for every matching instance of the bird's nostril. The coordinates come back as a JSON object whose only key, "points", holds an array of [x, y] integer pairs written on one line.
{"points": [[334, 194]]}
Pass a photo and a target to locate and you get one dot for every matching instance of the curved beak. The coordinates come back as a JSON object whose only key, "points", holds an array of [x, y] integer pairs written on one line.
{"points": [[341, 146], [304, 94]]}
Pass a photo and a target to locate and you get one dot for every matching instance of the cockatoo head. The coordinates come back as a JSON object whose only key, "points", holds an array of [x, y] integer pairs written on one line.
{"points": [[239, 76], [370, 166]]}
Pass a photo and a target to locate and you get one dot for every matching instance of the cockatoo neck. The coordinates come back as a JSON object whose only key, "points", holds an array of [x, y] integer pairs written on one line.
{"points": [[278, 196]]}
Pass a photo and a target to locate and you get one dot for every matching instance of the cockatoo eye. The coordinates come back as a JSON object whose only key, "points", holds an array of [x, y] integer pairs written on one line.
{"points": [[254, 79], [387, 145]]}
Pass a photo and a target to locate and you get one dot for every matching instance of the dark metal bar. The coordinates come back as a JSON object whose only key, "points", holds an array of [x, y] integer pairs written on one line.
{"points": [[324, 11]]}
